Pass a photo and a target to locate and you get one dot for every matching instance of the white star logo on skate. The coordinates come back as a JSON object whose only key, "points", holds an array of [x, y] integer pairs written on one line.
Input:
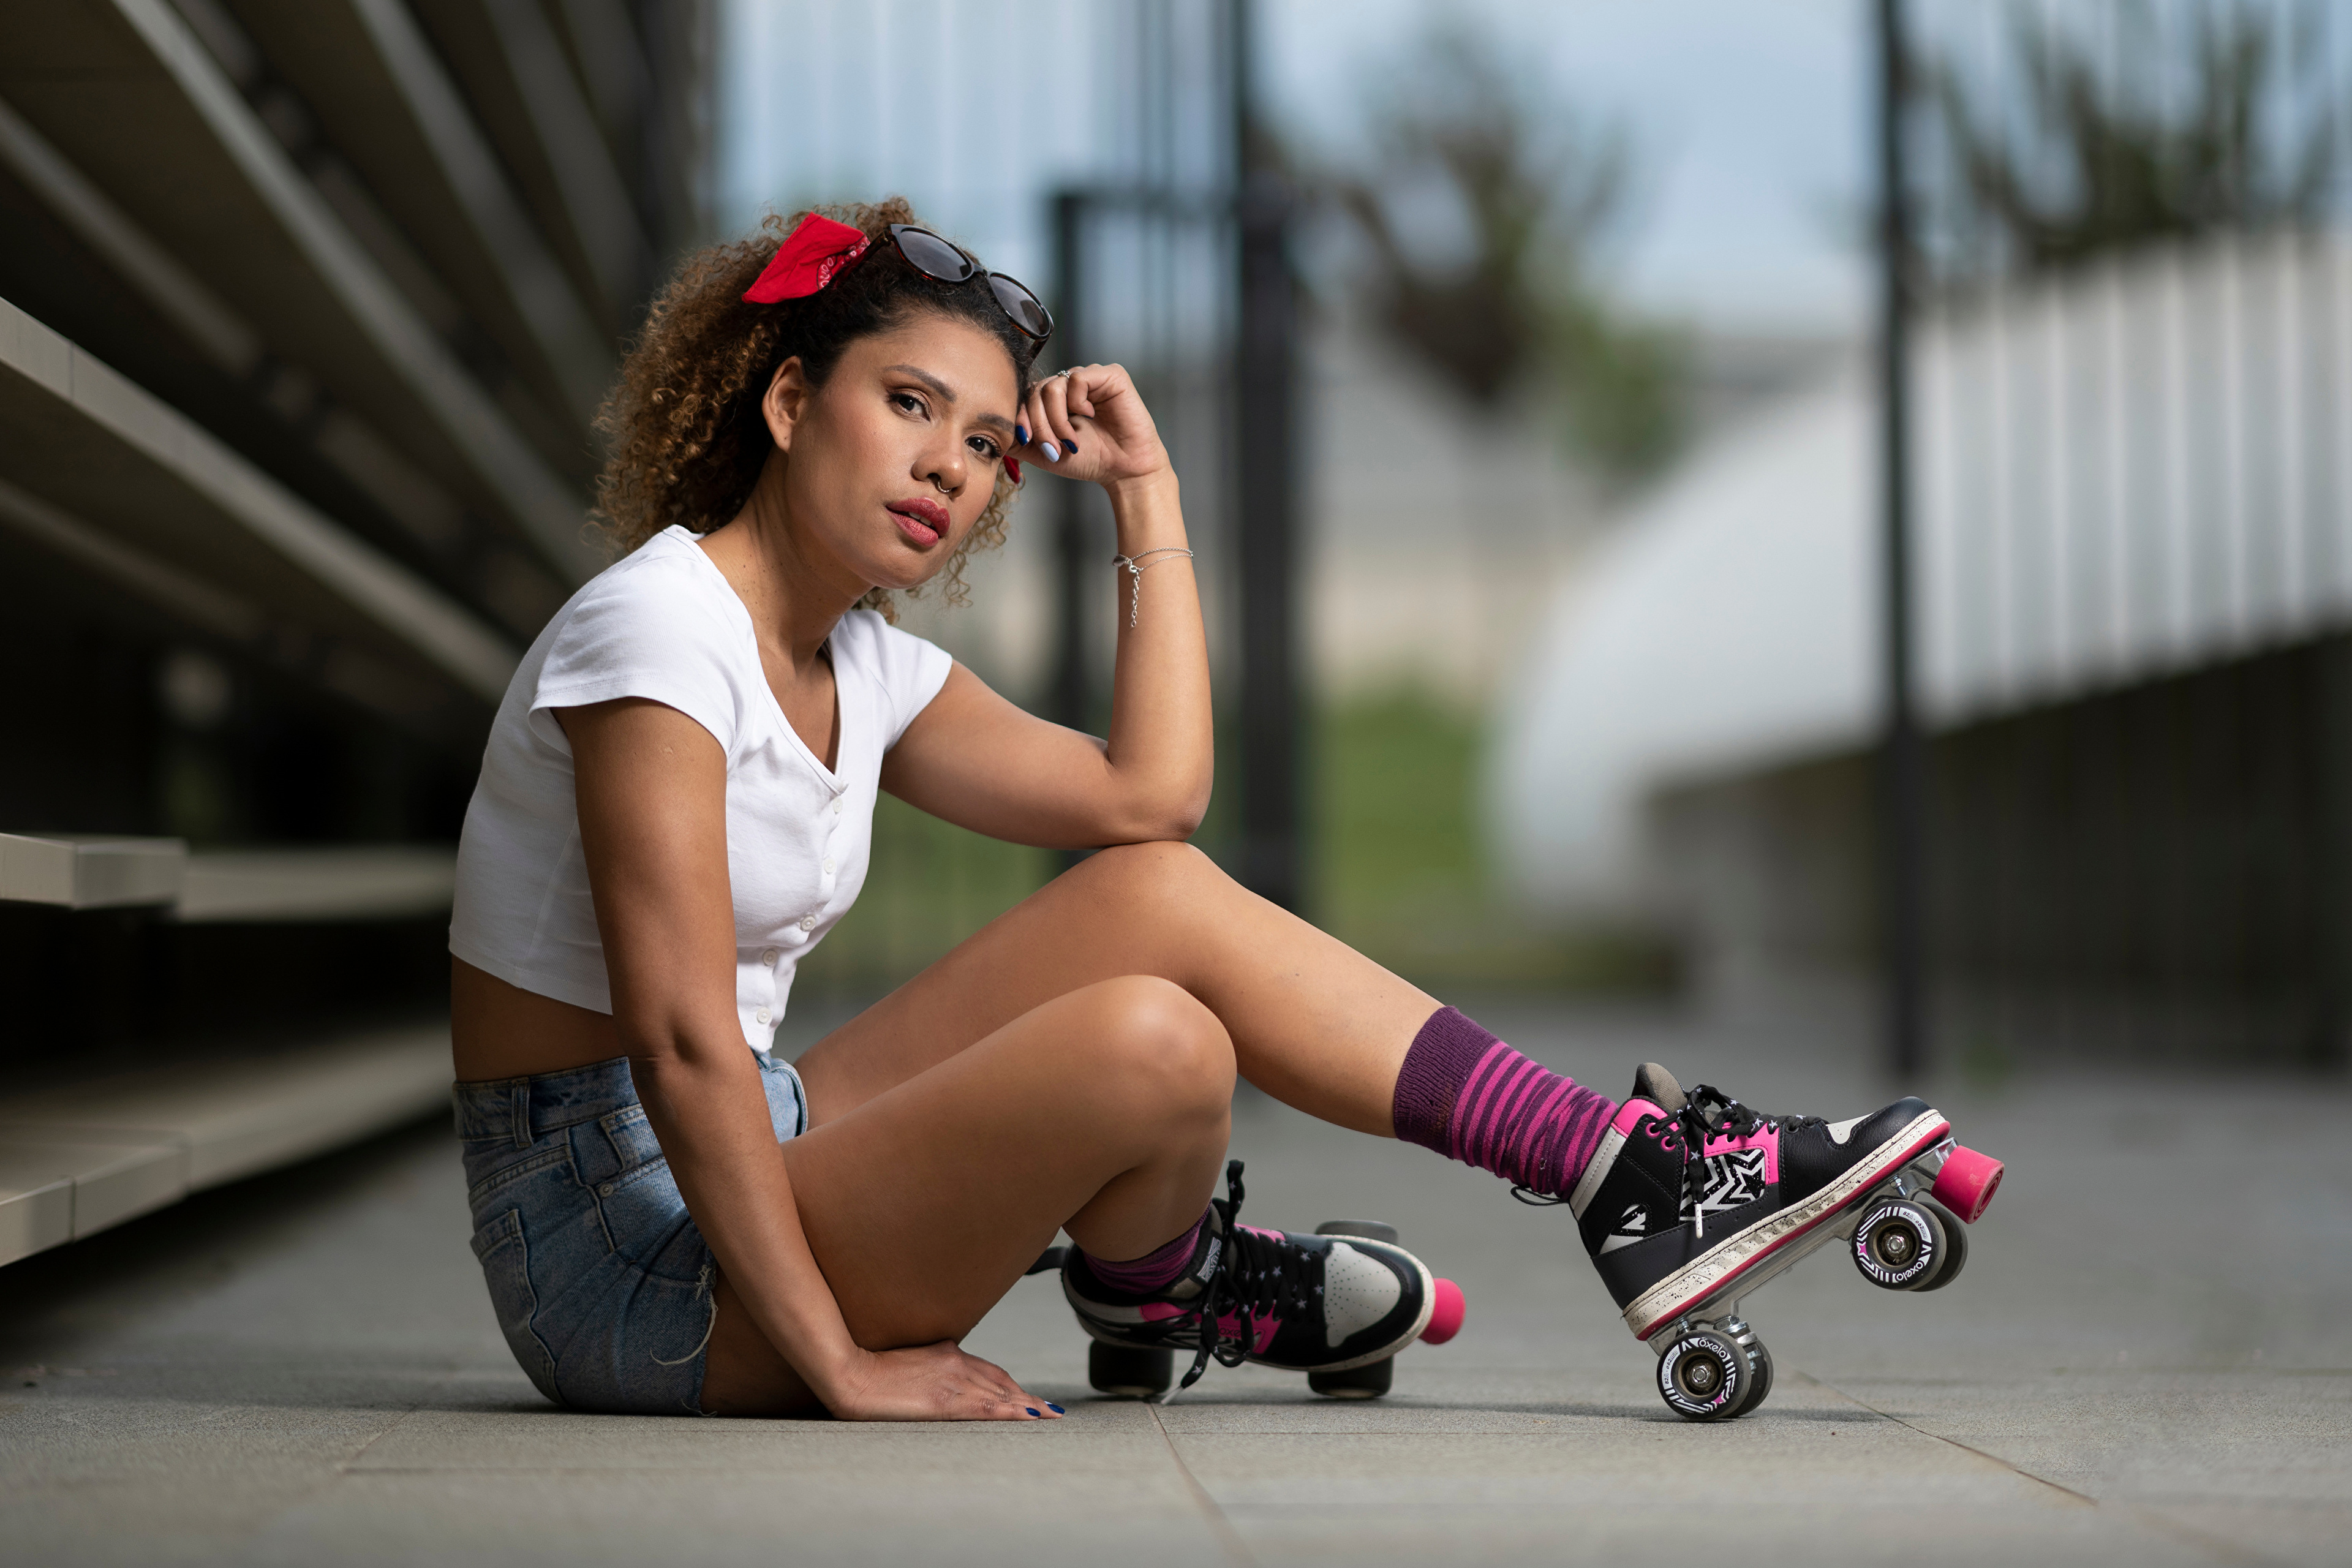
{"points": [[1628, 1230], [1731, 1180]]}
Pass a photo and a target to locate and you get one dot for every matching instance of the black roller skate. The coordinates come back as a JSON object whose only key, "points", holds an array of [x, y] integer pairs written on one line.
{"points": [[1694, 1201], [1337, 1305]]}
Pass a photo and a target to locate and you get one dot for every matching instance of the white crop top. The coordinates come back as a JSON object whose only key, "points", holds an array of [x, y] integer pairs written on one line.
{"points": [[664, 623]]}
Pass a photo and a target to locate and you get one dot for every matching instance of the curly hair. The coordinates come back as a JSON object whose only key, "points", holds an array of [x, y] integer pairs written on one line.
{"points": [[683, 435]]}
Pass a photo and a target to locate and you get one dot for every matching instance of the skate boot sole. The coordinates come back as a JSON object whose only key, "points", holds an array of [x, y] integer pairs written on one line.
{"points": [[1734, 1266], [1362, 1243]]}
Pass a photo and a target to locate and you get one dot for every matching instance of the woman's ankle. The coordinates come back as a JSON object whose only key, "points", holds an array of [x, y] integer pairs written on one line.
{"points": [[1464, 1093], [1157, 1270]]}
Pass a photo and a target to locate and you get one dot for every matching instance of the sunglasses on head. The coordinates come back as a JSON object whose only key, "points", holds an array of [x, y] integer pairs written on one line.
{"points": [[945, 262]]}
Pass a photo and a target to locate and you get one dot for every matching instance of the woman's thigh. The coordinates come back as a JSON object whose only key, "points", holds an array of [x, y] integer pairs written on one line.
{"points": [[1105, 1110], [1312, 1021]]}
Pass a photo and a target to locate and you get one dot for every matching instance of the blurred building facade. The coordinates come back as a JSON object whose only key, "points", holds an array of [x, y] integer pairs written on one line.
{"points": [[2130, 415], [306, 306]]}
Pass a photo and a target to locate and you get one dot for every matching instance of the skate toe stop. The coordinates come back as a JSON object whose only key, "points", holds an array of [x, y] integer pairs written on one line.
{"points": [[1446, 1308], [1966, 1183]]}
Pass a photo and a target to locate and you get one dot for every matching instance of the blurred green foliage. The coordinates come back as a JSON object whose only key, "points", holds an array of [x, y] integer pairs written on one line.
{"points": [[930, 885], [1401, 872], [1397, 868], [2170, 129], [1484, 210]]}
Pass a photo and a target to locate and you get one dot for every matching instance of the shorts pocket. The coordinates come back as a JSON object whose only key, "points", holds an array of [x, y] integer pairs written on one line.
{"points": [[505, 1257], [644, 1215]]}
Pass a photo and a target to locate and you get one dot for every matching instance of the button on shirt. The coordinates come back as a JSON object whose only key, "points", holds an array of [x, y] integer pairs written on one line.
{"points": [[664, 623]]}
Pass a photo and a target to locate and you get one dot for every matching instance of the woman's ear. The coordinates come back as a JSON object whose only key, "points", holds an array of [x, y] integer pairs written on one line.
{"points": [[786, 401]]}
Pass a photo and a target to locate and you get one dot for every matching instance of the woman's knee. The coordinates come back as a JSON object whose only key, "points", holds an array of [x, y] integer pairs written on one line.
{"points": [[1171, 1054], [1156, 868]]}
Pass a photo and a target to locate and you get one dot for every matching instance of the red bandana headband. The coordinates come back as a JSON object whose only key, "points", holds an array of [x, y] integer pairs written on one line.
{"points": [[811, 258]]}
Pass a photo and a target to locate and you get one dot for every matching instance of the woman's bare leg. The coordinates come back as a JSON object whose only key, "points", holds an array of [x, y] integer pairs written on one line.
{"points": [[1312, 1022], [1103, 1111]]}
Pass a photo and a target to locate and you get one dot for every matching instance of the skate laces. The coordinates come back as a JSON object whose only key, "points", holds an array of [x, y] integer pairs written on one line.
{"points": [[1727, 1119], [1258, 1276]]}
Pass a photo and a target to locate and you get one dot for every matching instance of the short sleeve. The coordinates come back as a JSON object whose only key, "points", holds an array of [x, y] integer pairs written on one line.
{"points": [[908, 670], [663, 627]]}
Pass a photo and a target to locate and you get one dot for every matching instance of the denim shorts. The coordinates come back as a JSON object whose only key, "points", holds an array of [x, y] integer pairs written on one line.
{"points": [[601, 1280]]}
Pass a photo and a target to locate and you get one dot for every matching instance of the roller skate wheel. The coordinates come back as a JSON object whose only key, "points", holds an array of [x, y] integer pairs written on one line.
{"points": [[1703, 1376], [1356, 1383], [1967, 1182], [1955, 1248], [1370, 1229], [1899, 1245], [1129, 1371], [1445, 1310], [1759, 1362]]}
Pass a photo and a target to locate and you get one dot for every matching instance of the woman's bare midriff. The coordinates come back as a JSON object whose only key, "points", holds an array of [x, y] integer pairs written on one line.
{"points": [[501, 1031]]}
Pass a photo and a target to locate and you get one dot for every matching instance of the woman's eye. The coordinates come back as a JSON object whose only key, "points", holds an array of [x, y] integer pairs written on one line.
{"points": [[907, 401], [985, 447]]}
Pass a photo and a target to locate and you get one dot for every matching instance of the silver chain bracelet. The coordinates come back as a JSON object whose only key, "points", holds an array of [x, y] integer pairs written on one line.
{"points": [[1135, 564]]}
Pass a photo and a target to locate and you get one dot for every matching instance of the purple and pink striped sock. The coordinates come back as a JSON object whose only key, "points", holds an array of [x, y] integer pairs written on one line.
{"points": [[1155, 1271], [1470, 1096]]}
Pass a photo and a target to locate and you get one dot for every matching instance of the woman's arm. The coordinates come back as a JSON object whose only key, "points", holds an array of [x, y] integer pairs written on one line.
{"points": [[978, 761], [652, 791]]}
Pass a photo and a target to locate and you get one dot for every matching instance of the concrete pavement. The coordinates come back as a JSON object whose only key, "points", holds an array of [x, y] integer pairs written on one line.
{"points": [[2147, 1360]]}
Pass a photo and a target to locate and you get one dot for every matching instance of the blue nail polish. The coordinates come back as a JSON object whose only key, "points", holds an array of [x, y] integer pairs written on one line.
{"points": [[1021, 433], [1053, 453], [1033, 1410], [1074, 446], [1055, 1408]]}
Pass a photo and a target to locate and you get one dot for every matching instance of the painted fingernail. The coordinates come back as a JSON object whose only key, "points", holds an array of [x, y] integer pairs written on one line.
{"points": [[1021, 433], [1033, 1410], [1055, 1408], [1053, 453], [1071, 446]]}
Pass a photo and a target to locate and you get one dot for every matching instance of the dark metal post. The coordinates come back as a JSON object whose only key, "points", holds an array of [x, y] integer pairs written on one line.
{"points": [[1072, 694], [2330, 1028], [1266, 552], [1902, 784]]}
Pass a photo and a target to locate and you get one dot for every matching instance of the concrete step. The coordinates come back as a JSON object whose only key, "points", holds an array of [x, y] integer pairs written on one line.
{"points": [[76, 1158]]}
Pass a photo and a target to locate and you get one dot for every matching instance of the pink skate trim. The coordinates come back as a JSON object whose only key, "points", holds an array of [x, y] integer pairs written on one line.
{"points": [[1631, 1112], [1765, 1138], [1227, 1326], [1445, 1311], [1966, 1183], [1702, 1281], [1231, 1324]]}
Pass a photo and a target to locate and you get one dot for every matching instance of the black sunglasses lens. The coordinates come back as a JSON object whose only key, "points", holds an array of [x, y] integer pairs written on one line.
{"points": [[1028, 312], [931, 256]]}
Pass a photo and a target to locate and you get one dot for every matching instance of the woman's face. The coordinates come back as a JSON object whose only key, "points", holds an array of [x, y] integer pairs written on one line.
{"points": [[894, 457]]}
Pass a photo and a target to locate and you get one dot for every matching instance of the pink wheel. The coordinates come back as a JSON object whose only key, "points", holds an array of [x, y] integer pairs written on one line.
{"points": [[1965, 1185], [1445, 1313]]}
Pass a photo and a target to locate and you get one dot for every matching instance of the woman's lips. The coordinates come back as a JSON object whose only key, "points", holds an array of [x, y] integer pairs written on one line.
{"points": [[922, 521]]}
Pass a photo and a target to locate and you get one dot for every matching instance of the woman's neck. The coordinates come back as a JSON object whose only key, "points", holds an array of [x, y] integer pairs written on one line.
{"points": [[795, 598]]}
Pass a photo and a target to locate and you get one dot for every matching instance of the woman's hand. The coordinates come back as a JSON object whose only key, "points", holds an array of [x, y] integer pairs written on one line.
{"points": [[929, 1382], [1089, 423]]}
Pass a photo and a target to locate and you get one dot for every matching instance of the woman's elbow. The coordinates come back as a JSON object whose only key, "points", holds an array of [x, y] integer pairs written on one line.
{"points": [[1157, 821]]}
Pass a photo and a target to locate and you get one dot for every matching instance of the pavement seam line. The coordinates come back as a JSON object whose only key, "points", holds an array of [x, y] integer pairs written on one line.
{"points": [[2220, 1546], [348, 1466], [1231, 1539], [1965, 1447]]}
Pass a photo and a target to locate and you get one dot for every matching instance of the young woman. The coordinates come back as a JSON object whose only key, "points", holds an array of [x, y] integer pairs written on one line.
{"points": [[675, 805]]}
